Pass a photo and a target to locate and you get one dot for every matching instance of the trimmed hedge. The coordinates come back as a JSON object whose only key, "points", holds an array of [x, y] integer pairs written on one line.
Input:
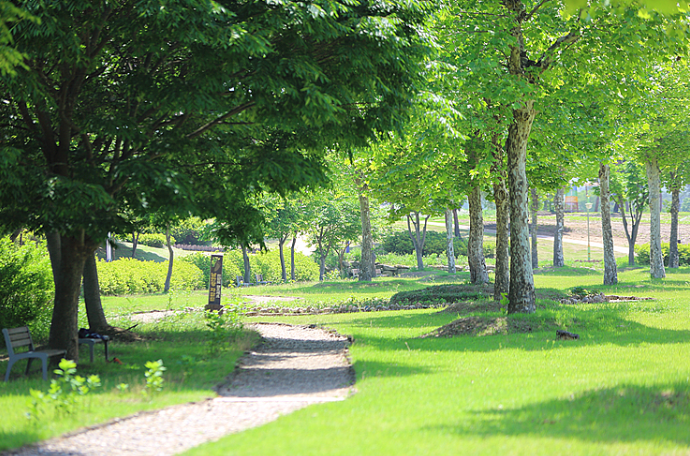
{"points": [[155, 240], [642, 254], [130, 276], [435, 244]]}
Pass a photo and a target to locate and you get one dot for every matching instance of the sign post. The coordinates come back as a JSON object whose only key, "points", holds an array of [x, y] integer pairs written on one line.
{"points": [[215, 283]]}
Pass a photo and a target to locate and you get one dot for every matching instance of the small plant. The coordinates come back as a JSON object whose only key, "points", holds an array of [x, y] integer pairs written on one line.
{"points": [[579, 291], [122, 387], [222, 326], [64, 392], [154, 377], [504, 302]]}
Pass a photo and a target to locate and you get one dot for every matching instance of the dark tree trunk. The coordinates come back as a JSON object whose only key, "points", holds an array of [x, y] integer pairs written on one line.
{"points": [[92, 297], [63, 327], [247, 267], [521, 296], [281, 245], [475, 245], [171, 254], [535, 228], [656, 259], [610, 268], [17, 234], [367, 259], [559, 206], [450, 250], [135, 243], [292, 258], [54, 249], [502, 272], [673, 257]]}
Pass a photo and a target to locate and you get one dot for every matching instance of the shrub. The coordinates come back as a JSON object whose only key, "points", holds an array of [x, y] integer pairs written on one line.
{"points": [[26, 288], [130, 276], [642, 254], [440, 294], [435, 244], [203, 262], [155, 240]]}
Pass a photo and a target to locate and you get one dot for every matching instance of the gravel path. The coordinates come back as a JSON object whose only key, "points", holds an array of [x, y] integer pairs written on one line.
{"points": [[294, 367]]}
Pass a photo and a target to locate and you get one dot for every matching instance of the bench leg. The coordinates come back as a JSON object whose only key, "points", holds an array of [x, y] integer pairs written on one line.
{"points": [[9, 368], [105, 342], [91, 352]]}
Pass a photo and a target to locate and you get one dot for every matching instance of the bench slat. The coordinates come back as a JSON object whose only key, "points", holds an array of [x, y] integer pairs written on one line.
{"points": [[23, 329]]}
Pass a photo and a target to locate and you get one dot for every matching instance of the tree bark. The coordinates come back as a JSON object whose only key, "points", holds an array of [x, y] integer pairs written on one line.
{"points": [[673, 257], [559, 206], [450, 250], [64, 327], [135, 243], [535, 227], [610, 268], [521, 295], [502, 271], [475, 245], [656, 260], [418, 237], [292, 258], [367, 259], [54, 249], [456, 220], [171, 255], [281, 245], [247, 267], [92, 297]]}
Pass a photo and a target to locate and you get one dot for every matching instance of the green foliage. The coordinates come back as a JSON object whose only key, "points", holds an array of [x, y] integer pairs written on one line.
{"points": [[155, 240], [223, 327], [203, 262], [64, 392], [436, 244], [440, 294], [154, 377], [26, 287], [642, 254], [130, 276]]}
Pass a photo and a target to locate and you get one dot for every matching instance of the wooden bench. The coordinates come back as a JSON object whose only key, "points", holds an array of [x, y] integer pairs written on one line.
{"points": [[21, 337], [93, 341], [355, 273], [241, 282], [260, 279]]}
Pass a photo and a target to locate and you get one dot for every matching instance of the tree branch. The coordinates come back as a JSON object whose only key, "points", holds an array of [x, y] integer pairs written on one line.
{"points": [[235, 111]]}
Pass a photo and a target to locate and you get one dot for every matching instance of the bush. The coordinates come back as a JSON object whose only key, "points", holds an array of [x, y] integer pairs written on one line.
{"points": [[130, 276], [642, 254], [203, 262], [26, 288], [435, 244], [443, 294], [155, 240]]}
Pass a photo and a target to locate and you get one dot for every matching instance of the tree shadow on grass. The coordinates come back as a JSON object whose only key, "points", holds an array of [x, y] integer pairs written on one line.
{"points": [[624, 413]]}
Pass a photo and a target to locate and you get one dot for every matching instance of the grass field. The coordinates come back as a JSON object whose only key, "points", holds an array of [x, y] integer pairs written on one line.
{"points": [[623, 388]]}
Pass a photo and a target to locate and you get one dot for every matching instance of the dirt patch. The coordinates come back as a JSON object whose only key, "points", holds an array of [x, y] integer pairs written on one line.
{"points": [[462, 308], [418, 273], [485, 326]]}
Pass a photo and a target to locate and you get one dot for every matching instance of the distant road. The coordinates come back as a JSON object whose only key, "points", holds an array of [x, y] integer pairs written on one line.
{"points": [[541, 236]]}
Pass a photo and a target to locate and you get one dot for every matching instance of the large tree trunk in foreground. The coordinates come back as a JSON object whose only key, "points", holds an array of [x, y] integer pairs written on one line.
{"points": [[610, 268], [54, 248], [673, 257], [171, 255], [450, 250], [475, 245], [502, 271], [64, 329], [535, 227], [559, 206], [656, 260], [92, 297], [367, 259], [521, 295]]}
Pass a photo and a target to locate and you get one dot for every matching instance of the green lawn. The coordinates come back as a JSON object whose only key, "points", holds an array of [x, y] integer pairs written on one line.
{"points": [[624, 388]]}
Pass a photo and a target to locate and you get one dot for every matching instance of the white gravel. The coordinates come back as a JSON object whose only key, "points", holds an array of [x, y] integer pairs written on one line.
{"points": [[294, 367]]}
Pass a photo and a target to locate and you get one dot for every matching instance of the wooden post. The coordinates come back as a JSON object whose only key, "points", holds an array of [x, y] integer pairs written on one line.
{"points": [[215, 283]]}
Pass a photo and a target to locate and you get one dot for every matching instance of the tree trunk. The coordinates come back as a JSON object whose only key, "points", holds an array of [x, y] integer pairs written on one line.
{"points": [[535, 228], [247, 267], [64, 327], [367, 259], [92, 297], [135, 243], [418, 237], [475, 245], [54, 249], [502, 271], [521, 296], [171, 255], [610, 268], [673, 257], [450, 251], [559, 206], [292, 258], [456, 220], [281, 245], [656, 259]]}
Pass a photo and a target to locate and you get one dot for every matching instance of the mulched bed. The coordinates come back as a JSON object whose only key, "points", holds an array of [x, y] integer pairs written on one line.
{"points": [[486, 326]]}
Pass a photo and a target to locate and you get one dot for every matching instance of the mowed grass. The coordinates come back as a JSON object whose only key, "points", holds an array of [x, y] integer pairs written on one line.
{"points": [[623, 388]]}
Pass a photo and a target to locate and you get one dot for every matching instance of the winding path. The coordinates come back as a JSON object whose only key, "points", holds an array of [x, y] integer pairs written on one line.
{"points": [[294, 367]]}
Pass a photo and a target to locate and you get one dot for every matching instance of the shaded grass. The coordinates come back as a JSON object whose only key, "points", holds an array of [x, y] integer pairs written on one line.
{"points": [[191, 375]]}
